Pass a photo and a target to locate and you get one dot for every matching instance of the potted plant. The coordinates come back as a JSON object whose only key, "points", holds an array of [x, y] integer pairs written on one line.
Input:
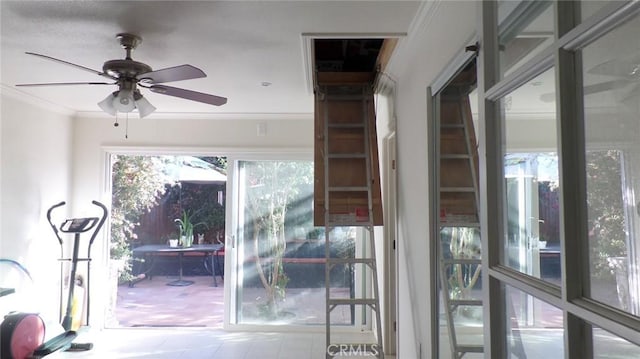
{"points": [[186, 227]]}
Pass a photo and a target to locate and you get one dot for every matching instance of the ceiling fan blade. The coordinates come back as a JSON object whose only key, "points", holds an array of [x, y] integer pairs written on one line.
{"points": [[71, 64], [189, 95], [176, 73], [590, 89], [67, 83], [605, 86], [628, 67]]}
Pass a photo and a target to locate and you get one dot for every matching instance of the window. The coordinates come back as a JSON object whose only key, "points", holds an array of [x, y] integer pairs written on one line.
{"points": [[534, 329], [607, 345], [562, 164], [611, 93], [526, 28], [532, 243]]}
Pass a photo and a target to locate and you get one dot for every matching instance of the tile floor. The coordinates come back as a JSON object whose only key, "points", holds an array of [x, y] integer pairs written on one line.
{"points": [[153, 320], [200, 343]]}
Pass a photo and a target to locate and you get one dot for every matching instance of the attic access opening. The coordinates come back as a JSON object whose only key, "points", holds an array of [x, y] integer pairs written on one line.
{"points": [[363, 56]]}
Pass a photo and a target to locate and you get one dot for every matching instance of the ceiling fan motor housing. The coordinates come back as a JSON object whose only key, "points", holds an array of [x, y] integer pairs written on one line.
{"points": [[125, 69]]}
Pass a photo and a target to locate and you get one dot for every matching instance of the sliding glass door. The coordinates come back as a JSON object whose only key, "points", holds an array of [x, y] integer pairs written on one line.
{"points": [[279, 259]]}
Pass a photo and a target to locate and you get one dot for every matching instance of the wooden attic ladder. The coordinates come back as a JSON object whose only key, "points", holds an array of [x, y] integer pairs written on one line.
{"points": [[347, 189], [459, 203]]}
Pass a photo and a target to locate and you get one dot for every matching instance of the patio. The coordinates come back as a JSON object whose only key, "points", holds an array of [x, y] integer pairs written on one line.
{"points": [[152, 303]]}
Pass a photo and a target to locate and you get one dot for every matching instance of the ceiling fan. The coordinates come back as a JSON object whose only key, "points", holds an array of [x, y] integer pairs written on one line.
{"points": [[625, 86], [129, 74]]}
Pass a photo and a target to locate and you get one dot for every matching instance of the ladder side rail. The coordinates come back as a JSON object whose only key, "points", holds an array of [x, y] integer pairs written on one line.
{"points": [[367, 147], [327, 229], [444, 285], [450, 305], [376, 292], [472, 150], [444, 278]]}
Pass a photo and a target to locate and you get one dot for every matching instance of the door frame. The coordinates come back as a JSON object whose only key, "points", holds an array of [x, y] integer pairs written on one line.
{"points": [[390, 284]]}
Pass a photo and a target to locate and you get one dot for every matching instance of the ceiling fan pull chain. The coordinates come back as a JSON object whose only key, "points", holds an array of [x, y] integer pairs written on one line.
{"points": [[126, 127], [116, 124]]}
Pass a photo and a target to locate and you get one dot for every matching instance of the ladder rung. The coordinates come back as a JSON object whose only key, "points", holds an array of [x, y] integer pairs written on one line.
{"points": [[454, 157], [457, 189], [350, 224], [451, 125], [459, 224], [344, 97], [368, 227], [465, 302], [461, 261], [347, 155], [369, 261], [354, 301], [346, 125], [470, 348], [348, 189]]}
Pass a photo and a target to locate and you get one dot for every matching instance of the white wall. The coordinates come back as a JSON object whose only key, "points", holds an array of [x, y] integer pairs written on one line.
{"points": [[35, 150], [385, 126], [428, 49], [95, 135], [531, 134]]}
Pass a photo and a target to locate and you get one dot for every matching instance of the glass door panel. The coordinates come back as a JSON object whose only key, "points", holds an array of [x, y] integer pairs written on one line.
{"points": [[459, 247], [611, 90], [280, 254], [527, 338], [607, 345], [532, 217]]}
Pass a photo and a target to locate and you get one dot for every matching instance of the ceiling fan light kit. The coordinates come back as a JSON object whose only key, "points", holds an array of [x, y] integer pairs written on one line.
{"points": [[145, 108], [107, 104], [128, 74]]}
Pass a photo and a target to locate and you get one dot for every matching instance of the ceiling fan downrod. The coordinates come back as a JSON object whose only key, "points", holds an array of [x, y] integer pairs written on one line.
{"points": [[129, 42]]}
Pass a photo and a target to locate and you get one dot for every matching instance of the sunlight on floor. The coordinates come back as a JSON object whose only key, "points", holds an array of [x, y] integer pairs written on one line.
{"points": [[199, 343]]}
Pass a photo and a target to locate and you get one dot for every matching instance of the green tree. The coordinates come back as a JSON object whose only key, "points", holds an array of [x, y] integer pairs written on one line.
{"points": [[272, 187], [137, 183], [607, 235], [219, 162]]}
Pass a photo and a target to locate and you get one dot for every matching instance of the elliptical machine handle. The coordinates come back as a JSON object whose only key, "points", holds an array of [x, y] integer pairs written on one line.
{"points": [[102, 219], [55, 229]]}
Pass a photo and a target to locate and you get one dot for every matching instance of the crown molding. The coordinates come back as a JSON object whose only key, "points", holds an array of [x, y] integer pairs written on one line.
{"points": [[16, 94], [204, 116], [50, 106], [424, 16], [292, 152]]}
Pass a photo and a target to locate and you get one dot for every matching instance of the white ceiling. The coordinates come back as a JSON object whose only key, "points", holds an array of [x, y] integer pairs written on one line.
{"points": [[238, 44]]}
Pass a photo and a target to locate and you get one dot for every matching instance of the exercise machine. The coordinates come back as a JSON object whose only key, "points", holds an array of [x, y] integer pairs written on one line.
{"points": [[76, 226], [22, 334]]}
